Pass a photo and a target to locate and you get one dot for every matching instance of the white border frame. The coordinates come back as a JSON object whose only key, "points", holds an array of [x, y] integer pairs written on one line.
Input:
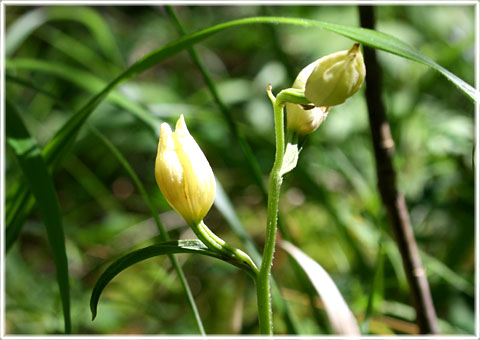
{"points": [[3, 4]]}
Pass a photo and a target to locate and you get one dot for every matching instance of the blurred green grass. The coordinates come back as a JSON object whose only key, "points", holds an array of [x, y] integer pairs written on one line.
{"points": [[330, 201]]}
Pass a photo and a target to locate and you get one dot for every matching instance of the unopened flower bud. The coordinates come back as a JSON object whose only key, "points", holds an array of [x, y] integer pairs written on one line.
{"points": [[301, 119], [183, 173], [304, 121], [336, 77]]}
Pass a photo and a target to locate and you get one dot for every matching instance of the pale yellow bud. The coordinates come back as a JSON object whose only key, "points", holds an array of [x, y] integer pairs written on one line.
{"points": [[336, 77], [299, 119], [304, 121], [183, 173]]}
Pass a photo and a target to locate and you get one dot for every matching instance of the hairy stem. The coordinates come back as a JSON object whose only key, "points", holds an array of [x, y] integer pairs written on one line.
{"points": [[263, 283]]}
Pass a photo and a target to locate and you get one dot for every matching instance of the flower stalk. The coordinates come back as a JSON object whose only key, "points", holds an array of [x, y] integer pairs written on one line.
{"points": [[275, 182], [218, 245]]}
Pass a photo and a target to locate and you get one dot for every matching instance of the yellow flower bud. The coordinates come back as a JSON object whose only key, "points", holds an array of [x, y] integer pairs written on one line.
{"points": [[336, 77], [300, 119], [183, 173], [304, 121]]}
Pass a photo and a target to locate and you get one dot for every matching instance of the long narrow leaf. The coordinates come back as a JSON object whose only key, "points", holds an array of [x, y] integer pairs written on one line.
{"points": [[164, 248], [24, 26], [341, 318], [32, 20], [435, 266], [40, 182], [85, 80], [376, 288], [15, 221], [77, 50]]}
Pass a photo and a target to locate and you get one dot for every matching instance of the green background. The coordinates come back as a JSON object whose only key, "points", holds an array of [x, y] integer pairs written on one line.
{"points": [[329, 203]]}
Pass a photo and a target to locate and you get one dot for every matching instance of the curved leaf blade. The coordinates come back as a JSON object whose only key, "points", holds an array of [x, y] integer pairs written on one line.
{"points": [[372, 38], [164, 248], [84, 80], [341, 318], [25, 25], [41, 185], [393, 45]]}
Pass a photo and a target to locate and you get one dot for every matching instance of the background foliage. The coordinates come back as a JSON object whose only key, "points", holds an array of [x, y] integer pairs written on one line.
{"points": [[329, 202]]}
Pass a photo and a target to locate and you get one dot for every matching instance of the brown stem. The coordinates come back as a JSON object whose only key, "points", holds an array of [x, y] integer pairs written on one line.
{"points": [[393, 200]]}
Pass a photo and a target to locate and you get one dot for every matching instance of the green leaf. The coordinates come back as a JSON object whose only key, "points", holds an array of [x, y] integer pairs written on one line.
{"points": [[391, 44], [376, 288], [77, 50], [41, 184], [435, 266], [86, 81], [290, 158], [24, 26], [341, 318], [21, 29], [164, 248], [19, 212]]}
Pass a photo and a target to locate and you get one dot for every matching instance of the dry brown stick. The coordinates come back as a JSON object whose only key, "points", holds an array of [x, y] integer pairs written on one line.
{"points": [[393, 200]]}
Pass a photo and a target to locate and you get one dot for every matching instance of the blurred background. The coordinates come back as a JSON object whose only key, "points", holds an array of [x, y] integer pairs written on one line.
{"points": [[329, 204]]}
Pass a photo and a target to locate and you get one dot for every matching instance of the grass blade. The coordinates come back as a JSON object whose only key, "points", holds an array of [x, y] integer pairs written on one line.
{"points": [[76, 50], [25, 204], [341, 318], [435, 266], [20, 30], [24, 26], [40, 182], [85, 80], [164, 248], [377, 288], [161, 229]]}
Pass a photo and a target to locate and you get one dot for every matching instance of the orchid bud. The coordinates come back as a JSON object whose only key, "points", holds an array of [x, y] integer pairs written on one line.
{"points": [[336, 77], [304, 120], [183, 173], [301, 119]]}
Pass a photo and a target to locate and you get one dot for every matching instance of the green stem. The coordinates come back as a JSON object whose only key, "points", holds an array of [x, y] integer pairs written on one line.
{"points": [[216, 244], [263, 283]]}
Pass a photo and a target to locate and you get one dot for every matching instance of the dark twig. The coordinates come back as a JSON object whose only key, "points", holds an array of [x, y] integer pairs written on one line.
{"points": [[393, 200]]}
